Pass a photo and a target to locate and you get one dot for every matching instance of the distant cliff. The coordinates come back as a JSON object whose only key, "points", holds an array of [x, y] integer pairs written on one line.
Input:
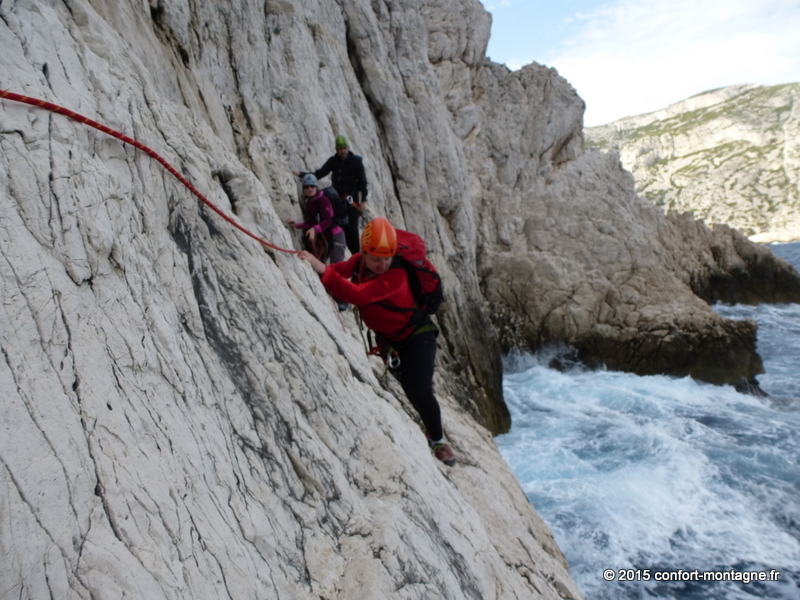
{"points": [[730, 156], [184, 413]]}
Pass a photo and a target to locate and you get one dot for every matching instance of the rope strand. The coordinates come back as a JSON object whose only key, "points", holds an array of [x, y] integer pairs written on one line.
{"points": [[124, 138]]}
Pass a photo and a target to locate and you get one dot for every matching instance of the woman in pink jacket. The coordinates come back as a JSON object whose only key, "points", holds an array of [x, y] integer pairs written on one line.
{"points": [[318, 224]]}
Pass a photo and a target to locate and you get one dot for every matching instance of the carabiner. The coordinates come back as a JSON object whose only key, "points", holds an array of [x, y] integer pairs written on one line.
{"points": [[393, 360]]}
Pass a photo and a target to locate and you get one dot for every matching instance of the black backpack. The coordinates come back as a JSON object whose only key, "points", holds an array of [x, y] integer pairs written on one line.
{"points": [[339, 205]]}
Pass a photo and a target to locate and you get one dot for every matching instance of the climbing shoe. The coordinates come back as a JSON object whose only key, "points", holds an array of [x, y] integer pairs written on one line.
{"points": [[442, 451], [343, 306]]}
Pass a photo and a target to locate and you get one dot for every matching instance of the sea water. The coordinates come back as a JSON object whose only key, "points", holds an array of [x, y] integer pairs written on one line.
{"points": [[664, 487]]}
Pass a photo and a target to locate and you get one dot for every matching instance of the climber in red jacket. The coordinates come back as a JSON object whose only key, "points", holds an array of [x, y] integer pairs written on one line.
{"points": [[368, 280]]}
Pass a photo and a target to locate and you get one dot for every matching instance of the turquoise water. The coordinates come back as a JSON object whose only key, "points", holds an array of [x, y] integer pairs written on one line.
{"points": [[646, 476]]}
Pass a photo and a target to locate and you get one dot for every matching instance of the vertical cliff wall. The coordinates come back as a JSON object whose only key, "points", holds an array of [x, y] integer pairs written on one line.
{"points": [[184, 415]]}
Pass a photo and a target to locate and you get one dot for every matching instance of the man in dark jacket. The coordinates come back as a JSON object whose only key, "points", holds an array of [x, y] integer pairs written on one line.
{"points": [[349, 179]]}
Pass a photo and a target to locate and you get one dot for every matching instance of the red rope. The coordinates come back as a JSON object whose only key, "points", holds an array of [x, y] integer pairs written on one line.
{"points": [[86, 121]]}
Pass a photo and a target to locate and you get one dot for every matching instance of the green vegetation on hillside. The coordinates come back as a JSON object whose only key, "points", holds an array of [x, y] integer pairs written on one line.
{"points": [[729, 161]]}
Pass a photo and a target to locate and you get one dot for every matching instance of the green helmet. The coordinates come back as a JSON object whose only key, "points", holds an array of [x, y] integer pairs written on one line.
{"points": [[341, 142]]}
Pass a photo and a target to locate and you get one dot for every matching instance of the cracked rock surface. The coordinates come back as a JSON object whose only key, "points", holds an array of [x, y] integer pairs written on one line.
{"points": [[187, 415]]}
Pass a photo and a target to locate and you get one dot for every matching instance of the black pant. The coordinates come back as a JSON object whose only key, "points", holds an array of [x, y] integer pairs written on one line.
{"points": [[351, 232], [336, 247], [415, 374]]}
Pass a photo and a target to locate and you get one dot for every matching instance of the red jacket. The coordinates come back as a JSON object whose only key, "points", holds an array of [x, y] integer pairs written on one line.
{"points": [[369, 292]]}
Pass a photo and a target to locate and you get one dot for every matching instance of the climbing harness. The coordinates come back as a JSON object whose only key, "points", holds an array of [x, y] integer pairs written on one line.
{"points": [[391, 360], [390, 357], [86, 121]]}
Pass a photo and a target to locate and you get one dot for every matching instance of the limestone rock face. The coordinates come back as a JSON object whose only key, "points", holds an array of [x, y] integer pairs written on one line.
{"points": [[186, 414], [730, 156]]}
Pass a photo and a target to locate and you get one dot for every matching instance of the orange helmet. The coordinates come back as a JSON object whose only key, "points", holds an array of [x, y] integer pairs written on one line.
{"points": [[379, 238]]}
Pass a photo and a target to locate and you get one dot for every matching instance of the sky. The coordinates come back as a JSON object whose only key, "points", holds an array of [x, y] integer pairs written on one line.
{"points": [[630, 57]]}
